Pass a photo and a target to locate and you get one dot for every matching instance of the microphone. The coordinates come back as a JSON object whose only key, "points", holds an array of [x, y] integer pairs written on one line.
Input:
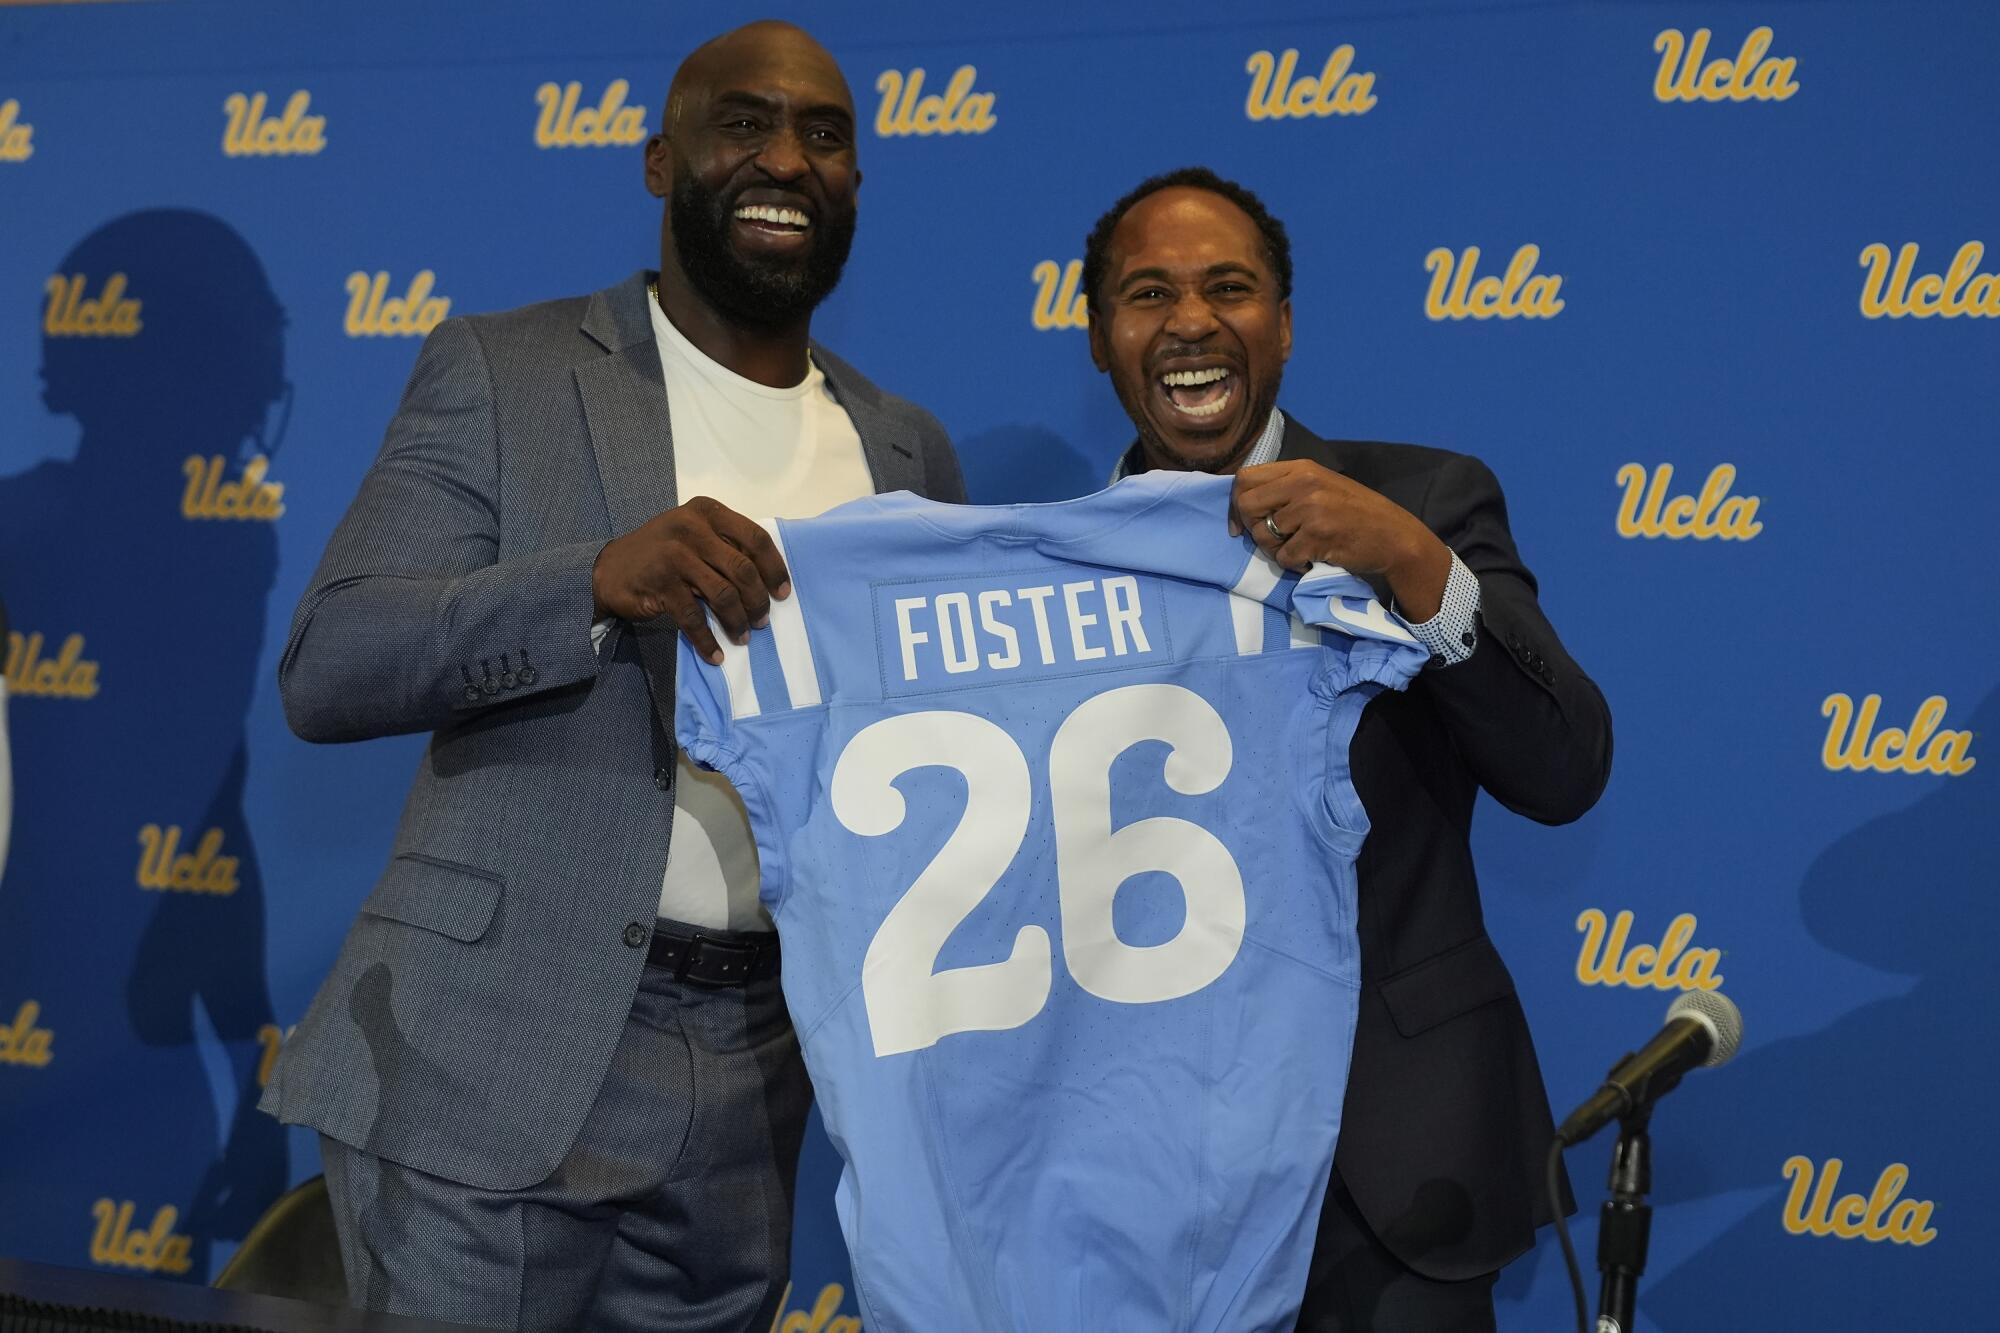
{"points": [[1703, 1028]]}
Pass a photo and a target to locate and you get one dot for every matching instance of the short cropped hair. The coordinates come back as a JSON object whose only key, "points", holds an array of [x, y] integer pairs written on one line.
{"points": [[1277, 246]]}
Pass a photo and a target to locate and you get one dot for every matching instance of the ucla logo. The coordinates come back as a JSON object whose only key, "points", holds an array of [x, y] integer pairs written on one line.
{"points": [[155, 1250], [1059, 301], [1882, 1215], [271, 1038], [68, 315], [1521, 294], [1752, 76], [822, 1318], [609, 123], [1923, 748], [1671, 965], [249, 498], [67, 675], [1960, 290], [1338, 91], [17, 136], [162, 864], [411, 315], [22, 1043], [958, 110], [250, 133], [1715, 512]]}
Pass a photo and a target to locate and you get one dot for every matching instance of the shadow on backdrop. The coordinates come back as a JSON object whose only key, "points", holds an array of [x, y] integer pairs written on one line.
{"points": [[133, 897], [1025, 465], [1900, 1080]]}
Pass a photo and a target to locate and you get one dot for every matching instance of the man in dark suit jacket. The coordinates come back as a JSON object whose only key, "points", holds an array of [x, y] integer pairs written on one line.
{"points": [[545, 1102], [1437, 1180]]}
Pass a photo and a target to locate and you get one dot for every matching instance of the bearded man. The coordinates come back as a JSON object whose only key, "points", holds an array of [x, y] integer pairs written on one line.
{"points": [[552, 1070]]}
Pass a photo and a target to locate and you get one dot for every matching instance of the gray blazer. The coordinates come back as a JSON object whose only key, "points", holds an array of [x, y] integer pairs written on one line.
{"points": [[471, 1015]]}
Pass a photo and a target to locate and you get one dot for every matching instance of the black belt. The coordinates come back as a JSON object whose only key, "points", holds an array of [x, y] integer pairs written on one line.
{"points": [[709, 961]]}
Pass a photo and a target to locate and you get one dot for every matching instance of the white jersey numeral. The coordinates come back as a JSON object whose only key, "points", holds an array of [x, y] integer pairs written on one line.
{"points": [[1092, 860], [911, 1005]]}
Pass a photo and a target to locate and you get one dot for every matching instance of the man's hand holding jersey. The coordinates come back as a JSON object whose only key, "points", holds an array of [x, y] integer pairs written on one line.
{"points": [[698, 552], [1298, 512]]}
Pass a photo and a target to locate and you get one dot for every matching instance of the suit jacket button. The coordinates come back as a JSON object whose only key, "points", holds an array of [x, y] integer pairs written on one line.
{"points": [[472, 694], [662, 779], [635, 935]]}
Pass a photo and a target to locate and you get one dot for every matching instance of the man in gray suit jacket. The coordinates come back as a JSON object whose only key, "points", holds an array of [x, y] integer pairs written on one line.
{"points": [[545, 1101]]}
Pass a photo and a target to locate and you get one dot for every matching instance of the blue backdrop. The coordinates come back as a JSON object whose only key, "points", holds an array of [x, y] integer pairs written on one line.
{"points": [[1729, 339]]}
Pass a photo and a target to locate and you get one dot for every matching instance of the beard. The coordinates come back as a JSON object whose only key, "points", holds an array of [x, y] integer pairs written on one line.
{"points": [[761, 293]]}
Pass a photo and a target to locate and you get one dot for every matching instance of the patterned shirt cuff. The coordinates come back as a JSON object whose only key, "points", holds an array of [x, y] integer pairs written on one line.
{"points": [[1453, 632]]}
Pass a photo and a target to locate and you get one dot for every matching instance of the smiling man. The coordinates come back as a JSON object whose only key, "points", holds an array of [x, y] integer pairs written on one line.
{"points": [[1436, 1181], [552, 1070]]}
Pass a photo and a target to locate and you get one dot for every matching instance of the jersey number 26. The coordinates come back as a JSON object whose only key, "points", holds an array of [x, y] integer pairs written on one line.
{"points": [[909, 1004]]}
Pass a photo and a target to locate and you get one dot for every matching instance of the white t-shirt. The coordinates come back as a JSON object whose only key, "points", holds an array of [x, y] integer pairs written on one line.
{"points": [[766, 453]]}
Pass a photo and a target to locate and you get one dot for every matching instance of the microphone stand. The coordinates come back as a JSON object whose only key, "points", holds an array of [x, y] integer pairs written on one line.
{"points": [[1625, 1224]]}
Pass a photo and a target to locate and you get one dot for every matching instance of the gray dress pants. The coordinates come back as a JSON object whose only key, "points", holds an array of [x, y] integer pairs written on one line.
{"points": [[672, 1213]]}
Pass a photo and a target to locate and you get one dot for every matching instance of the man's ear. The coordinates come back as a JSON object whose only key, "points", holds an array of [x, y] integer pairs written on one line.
{"points": [[1099, 355], [1285, 329], [659, 166]]}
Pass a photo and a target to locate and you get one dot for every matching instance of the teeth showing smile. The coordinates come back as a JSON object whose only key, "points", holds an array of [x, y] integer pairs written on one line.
{"points": [[784, 217], [1207, 409], [1199, 393]]}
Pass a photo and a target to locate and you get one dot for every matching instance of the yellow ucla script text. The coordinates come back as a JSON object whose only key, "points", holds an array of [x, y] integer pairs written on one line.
{"points": [[162, 864], [1924, 748], [1522, 293], [1880, 1216], [410, 315], [17, 136], [111, 315], [1338, 91], [67, 675], [958, 110], [22, 1043], [610, 122], [249, 497], [1714, 513], [822, 1318], [250, 133], [1960, 290], [272, 1038], [155, 1250], [1752, 75], [1059, 300], [1604, 960]]}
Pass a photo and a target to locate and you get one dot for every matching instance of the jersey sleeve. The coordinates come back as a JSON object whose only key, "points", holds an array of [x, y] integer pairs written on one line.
{"points": [[1383, 651], [704, 704]]}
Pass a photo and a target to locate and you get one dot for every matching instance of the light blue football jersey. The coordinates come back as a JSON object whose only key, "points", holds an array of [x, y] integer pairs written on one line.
{"points": [[1057, 827]]}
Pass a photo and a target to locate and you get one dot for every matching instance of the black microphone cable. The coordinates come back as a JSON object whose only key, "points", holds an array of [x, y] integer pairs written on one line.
{"points": [[1562, 1234]]}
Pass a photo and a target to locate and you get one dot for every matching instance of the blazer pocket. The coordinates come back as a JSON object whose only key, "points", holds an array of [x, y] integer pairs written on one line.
{"points": [[1441, 988], [457, 901]]}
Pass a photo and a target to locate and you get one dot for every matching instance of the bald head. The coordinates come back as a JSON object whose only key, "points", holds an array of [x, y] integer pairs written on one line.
{"points": [[756, 160], [768, 54]]}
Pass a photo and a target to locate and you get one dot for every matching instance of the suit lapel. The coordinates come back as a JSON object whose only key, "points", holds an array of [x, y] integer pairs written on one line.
{"points": [[887, 445], [625, 410], [1299, 442]]}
